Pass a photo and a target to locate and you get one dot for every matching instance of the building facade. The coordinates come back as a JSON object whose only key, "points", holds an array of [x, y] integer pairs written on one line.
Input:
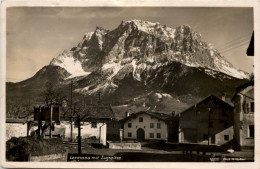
{"points": [[210, 121], [95, 131], [244, 128], [143, 126], [16, 128], [94, 121]]}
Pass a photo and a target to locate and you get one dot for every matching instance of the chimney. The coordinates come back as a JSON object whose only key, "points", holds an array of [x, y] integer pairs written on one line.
{"points": [[127, 114], [223, 97]]}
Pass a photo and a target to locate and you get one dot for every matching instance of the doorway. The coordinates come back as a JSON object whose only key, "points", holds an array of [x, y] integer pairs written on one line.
{"points": [[140, 135]]}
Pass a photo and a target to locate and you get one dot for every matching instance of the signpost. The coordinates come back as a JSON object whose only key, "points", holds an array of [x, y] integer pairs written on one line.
{"points": [[47, 114]]}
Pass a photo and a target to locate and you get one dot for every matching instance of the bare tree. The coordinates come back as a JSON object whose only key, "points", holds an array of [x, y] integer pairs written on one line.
{"points": [[52, 95]]}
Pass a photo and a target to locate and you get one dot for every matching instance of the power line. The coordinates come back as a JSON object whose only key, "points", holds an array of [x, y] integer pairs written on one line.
{"points": [[234, 44], [227, 50], [238, 40]]}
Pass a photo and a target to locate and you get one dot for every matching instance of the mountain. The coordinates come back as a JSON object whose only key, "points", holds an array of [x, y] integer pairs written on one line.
{"points": [[139, 63]]}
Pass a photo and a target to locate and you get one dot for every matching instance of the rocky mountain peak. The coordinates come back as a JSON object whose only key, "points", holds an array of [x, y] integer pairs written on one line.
{"points": [[145, 45], [88, 36]]}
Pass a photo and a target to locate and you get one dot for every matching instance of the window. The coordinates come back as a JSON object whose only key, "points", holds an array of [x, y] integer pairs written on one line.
{"points": [[158, 135], [151, 125], [93, 124], [140, 119], [251, 131], [129, 134], [151, 135], [225, 124], [226, 137], [129, 125], [210, 124], [252, 107], [158, 125], [205, 137]]}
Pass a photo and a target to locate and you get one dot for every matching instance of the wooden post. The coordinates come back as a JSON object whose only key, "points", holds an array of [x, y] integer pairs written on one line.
{"points": [[71, 120], [39, 123], [51, 120], [208, 125], [79, 135]]}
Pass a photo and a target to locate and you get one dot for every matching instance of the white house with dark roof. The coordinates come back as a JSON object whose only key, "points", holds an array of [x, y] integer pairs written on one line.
{"points": [[94, 124], [145, 125]]}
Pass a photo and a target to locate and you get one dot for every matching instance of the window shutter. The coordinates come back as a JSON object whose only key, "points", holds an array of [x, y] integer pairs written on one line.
{"points": [[244, 107]]}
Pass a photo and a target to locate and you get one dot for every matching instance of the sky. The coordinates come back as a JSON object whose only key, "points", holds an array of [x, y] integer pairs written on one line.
{"points": [[35, 35]]}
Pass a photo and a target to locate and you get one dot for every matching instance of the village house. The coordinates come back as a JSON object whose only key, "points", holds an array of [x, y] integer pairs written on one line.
{"points": [[144, 125], [97, 124], [94, 125], [244, 127], [210, 121]]}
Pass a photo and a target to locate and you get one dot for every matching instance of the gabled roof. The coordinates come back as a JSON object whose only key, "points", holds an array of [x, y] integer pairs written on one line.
{"points": [[242, 87], [160, 116], [94, 112], [207, 98], [98, 112]]}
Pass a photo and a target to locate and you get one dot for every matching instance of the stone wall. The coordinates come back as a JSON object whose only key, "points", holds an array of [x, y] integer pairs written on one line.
{"points": [[132, 146], [50, 157], [16, 130]]}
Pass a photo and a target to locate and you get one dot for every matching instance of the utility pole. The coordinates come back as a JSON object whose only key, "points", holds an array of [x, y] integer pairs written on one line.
{"points": [[51, 119], [208, 124], [71, 112], [210, 111], [79, 134], [39, 123]]}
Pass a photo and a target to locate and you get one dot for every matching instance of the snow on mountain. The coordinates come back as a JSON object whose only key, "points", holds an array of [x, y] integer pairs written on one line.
{"points": [[70, 64], [153, 28], [143, 46], [88, 36]]}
